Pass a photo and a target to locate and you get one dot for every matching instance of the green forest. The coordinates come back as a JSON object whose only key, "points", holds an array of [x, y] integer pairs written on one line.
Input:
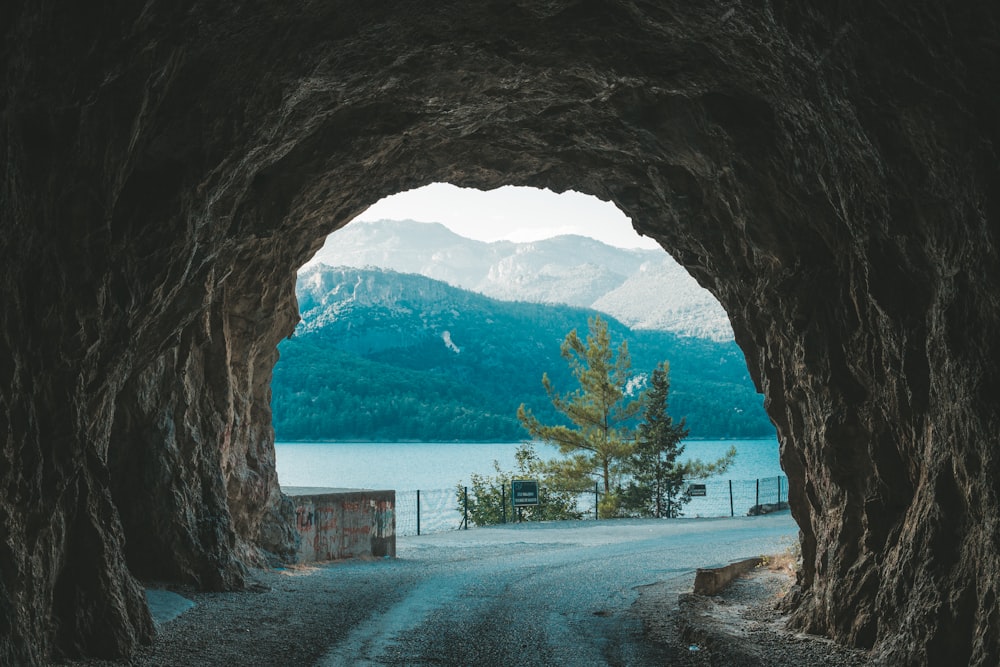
{"points": [[403, 357]]}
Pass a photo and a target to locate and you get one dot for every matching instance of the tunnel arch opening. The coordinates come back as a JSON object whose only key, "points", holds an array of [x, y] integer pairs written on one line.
{"points": [[696, 193], [804, 163]]}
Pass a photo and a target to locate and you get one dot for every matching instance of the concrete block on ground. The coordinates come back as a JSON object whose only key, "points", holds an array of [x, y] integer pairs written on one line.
{"points": [[334, 524], [711, 580]]}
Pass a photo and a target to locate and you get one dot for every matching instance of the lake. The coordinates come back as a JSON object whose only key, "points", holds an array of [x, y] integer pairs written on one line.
{"points": [[406, 466]]}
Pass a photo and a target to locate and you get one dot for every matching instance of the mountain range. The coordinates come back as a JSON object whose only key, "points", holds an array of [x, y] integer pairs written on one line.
{"points": [[644, 289], [383, 355]]}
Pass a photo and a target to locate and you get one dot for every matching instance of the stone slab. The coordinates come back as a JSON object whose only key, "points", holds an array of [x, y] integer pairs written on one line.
{"points": [[711, 580]]}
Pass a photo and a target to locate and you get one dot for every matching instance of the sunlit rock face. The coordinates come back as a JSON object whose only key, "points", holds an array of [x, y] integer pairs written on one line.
{"points": [[830, 174]]}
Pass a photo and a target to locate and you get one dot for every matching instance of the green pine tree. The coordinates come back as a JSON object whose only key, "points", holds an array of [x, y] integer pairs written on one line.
{"points": [[601, 410], [657, 487]]}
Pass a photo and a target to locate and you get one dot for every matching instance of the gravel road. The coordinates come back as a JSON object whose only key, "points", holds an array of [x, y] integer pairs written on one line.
{"points": [[546, 594], [542, 594]]}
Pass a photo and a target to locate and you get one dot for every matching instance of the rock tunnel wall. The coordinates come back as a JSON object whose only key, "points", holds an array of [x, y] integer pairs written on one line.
{"points": [[829, 171], [200, 409]]}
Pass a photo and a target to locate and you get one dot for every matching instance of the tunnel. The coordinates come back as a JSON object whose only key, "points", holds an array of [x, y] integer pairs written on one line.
{"points": [[829, 171]]}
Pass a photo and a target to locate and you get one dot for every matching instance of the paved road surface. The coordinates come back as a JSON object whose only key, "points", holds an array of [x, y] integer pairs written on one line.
{"points": [[535, 594]]}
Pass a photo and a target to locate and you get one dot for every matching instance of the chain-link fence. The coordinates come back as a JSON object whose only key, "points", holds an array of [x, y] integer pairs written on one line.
{"points": [[428, 511], [737, 497], [437, 510]]}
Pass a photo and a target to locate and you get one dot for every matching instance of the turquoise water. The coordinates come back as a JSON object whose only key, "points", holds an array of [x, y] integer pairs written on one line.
{"points": [[418, 465]]}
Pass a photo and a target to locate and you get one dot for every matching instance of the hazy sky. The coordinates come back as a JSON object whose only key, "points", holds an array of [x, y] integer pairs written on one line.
{"points": [[511, 213]]}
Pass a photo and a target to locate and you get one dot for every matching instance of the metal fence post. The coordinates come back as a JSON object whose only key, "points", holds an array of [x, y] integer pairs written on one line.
{"points": [[597, 501], [503, 503], [779, 489], [732, 512], [418, 511], [757, 503], [466, 508]]}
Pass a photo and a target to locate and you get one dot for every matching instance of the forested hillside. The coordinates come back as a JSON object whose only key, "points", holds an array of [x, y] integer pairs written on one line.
{"points": [[381, 355], [645, 289]]}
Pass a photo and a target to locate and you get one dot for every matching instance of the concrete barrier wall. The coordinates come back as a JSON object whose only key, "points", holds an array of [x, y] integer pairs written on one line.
{"points": [[711, 580], [345, 524]]}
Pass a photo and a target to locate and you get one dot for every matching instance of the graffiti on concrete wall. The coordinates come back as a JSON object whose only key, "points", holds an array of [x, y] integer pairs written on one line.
{"points": [[346, 525]]}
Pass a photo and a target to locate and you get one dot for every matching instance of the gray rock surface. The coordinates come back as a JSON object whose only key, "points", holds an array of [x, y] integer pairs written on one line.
{"points": [[829, 171]]}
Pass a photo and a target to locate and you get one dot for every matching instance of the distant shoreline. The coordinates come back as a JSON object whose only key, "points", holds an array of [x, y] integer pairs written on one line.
{"points": [[437, 465]]}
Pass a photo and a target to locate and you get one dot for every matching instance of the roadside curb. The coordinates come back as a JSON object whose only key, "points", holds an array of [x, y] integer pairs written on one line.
{"points": [[709, 581]]}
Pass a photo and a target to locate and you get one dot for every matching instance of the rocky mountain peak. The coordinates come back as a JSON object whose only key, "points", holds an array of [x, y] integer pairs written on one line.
{"points": [[645, 289]]}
